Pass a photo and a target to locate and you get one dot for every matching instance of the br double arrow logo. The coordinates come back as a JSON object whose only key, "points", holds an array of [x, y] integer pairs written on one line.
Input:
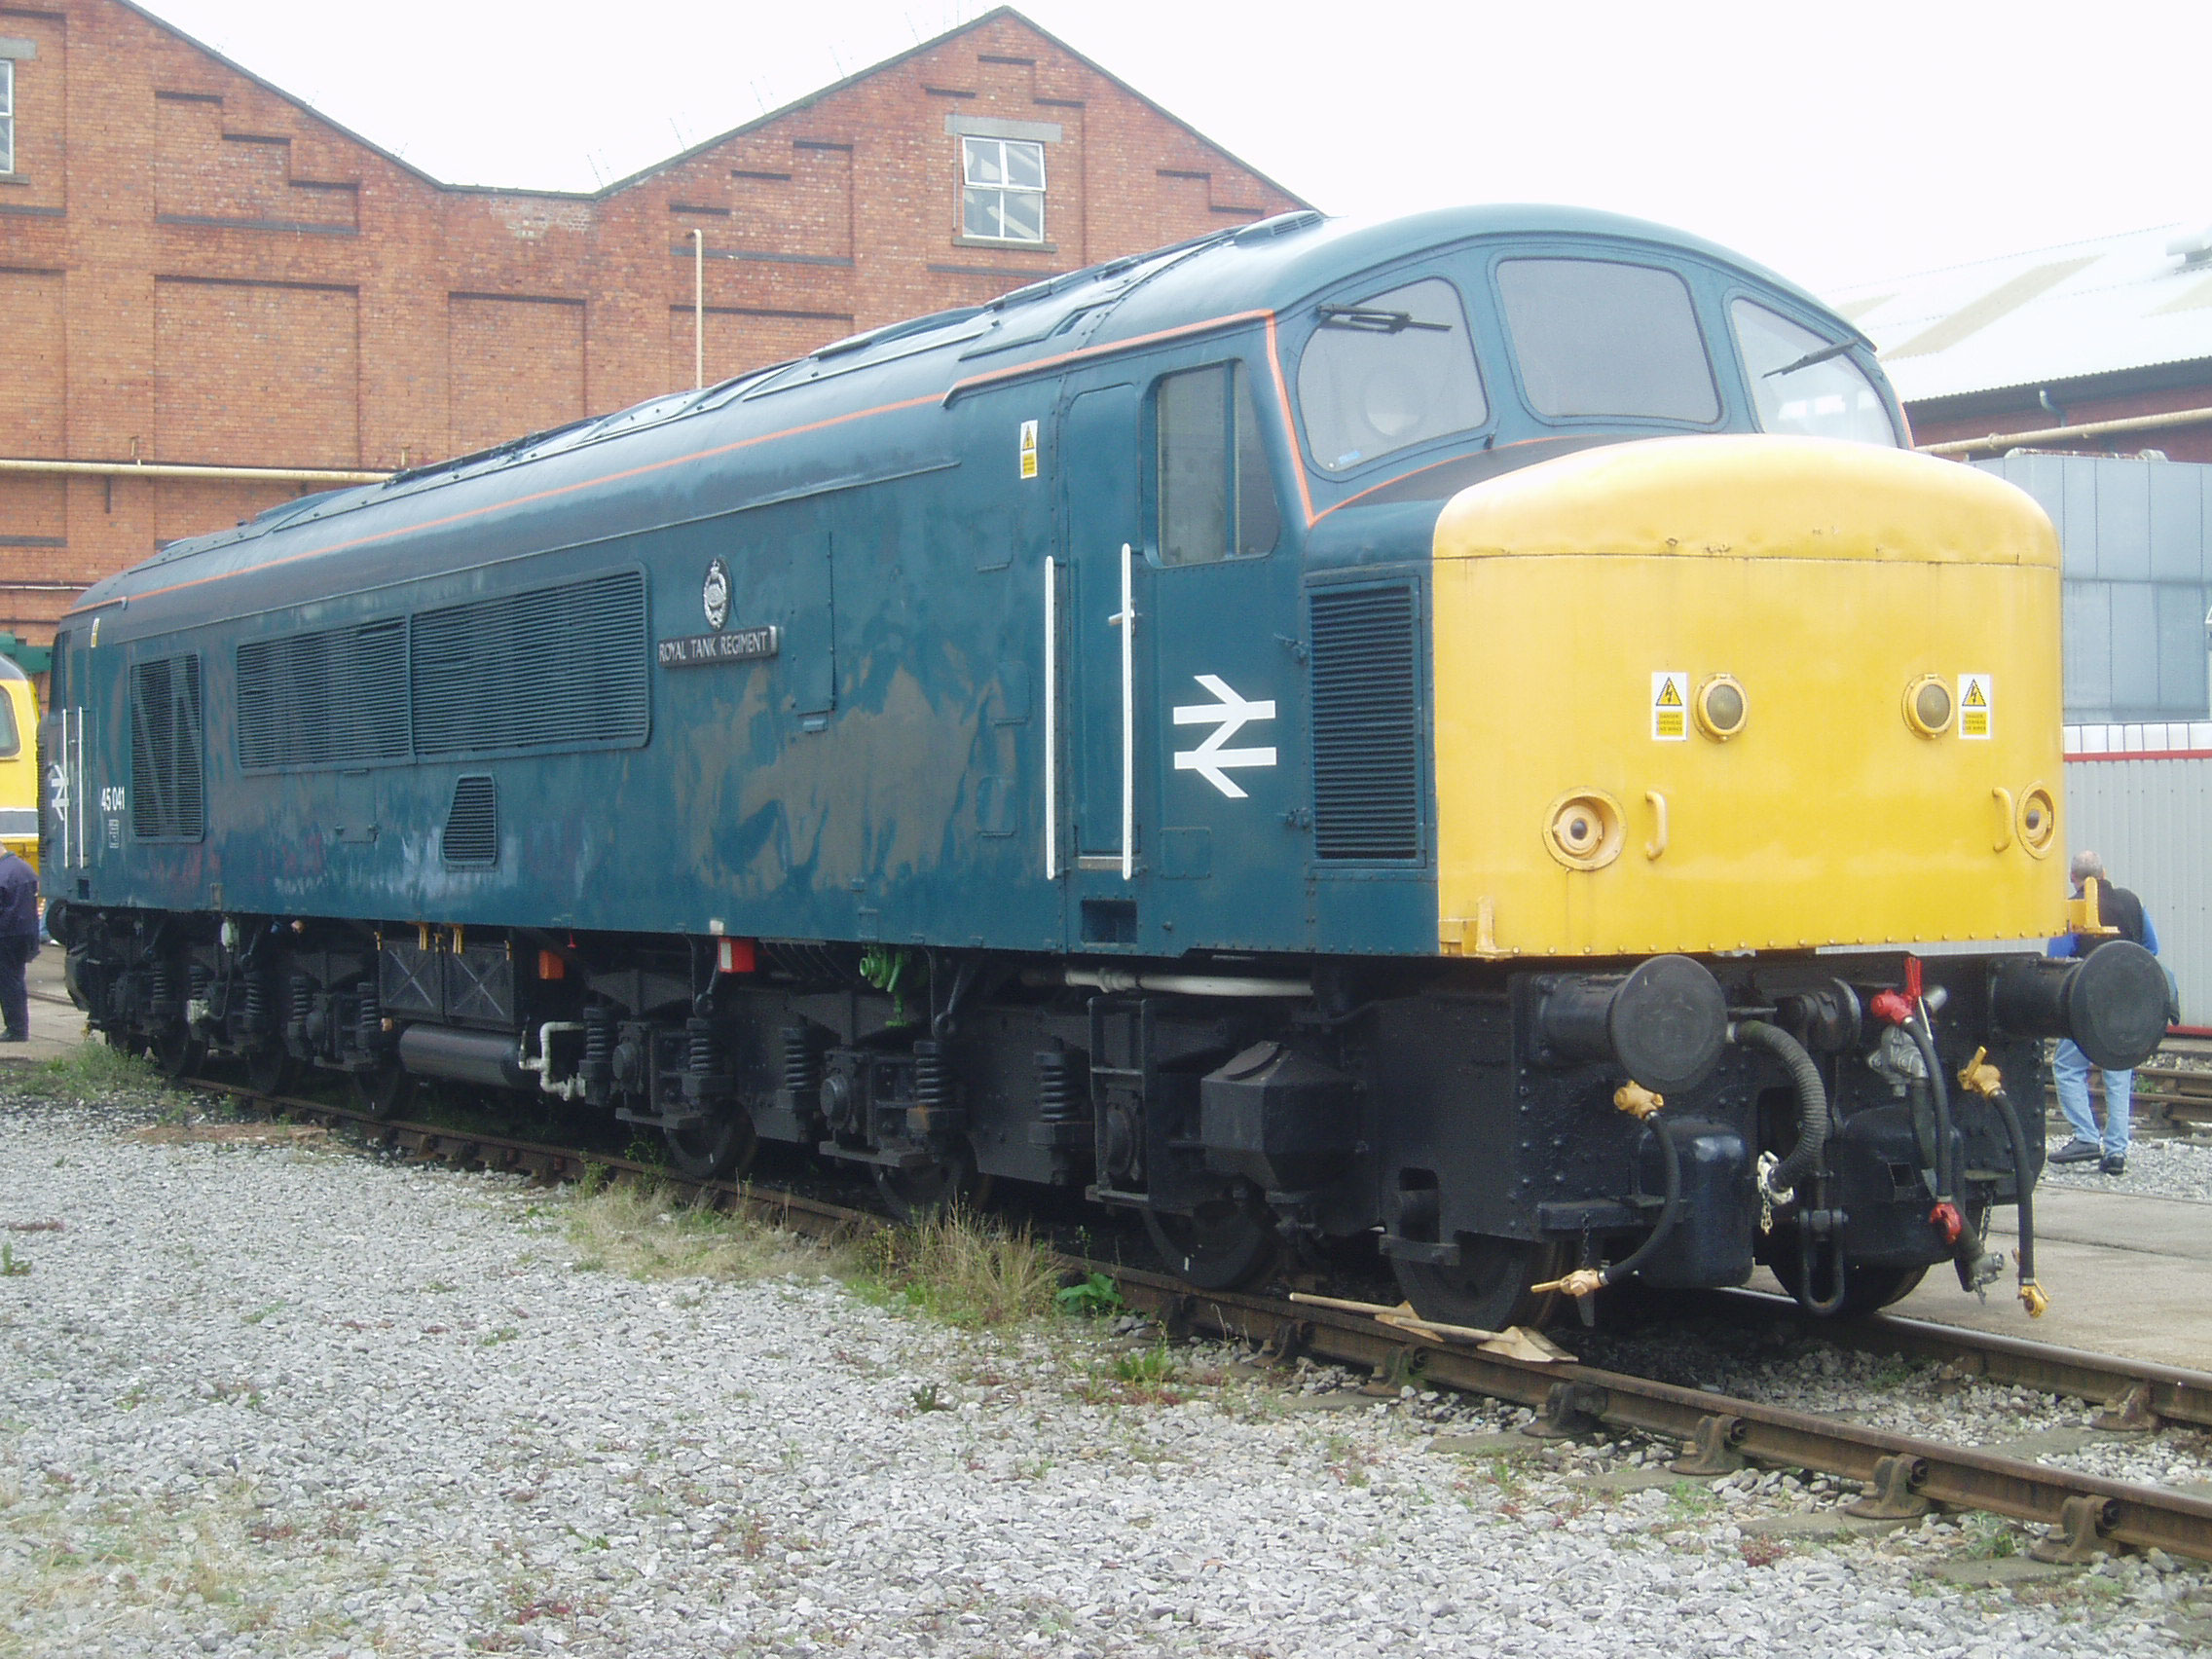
{"points": [[1228, 715]]}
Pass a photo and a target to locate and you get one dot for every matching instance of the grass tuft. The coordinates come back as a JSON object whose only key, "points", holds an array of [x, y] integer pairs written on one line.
{"points": [[646, 1231], [965, 1268], [90, 1070]]}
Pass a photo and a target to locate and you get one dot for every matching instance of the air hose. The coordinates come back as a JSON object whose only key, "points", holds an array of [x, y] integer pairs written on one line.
{"points": [[1968, 1253], [1813, 1124], [1583, 1280], [1941, 1097], [1985, 1079]]}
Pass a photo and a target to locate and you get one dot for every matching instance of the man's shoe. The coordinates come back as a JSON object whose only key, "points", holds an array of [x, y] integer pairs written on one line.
{"points": [[2078, 1151], [2113, 1167], [13, 1037]]}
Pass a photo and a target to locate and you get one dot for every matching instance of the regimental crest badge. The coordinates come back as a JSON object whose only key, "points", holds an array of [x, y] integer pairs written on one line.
{"points": [[713, 594]]}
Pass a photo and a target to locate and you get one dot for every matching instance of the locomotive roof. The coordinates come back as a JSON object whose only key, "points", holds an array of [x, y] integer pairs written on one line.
{"points": [[1248, 273]]}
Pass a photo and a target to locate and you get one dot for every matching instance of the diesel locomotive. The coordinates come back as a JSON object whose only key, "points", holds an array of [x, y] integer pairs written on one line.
{"points": [[1472, 731]]}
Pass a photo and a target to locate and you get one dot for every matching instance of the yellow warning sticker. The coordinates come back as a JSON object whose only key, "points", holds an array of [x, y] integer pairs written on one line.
{"points": [[1670, 706], [1029, 449], [1977, 705]]}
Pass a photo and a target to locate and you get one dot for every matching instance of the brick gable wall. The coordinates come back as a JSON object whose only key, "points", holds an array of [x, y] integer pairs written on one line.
{"points": [[194, 269]]}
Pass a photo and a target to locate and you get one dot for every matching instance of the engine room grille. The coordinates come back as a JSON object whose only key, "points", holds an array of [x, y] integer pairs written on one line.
{"points": [[564, 666], [330, 698], [1367, 726], [472, 822], [167, 800]]}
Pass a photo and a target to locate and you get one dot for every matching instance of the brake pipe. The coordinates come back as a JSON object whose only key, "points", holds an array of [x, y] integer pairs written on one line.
{"points": [[1981, 1078], [1642, 1104], [1778, 1182]]}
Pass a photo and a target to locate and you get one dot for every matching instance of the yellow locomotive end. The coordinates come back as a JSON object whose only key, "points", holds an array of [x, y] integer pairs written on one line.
{"points": [[1744, 693], [18, 764]]}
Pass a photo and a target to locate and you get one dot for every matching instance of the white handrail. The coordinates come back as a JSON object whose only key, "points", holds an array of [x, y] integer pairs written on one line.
{"points": [[1128, 622], [1051, 720]]}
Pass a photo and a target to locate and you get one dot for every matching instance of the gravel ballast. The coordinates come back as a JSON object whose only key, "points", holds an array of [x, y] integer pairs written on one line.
{"points": [[273, 1396]]}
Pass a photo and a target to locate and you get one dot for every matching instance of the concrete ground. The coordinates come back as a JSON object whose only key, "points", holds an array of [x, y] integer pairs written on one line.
{"points": [[2125, 1274], [57, 1024]]}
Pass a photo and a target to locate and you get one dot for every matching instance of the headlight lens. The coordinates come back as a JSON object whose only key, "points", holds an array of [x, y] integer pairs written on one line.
{"points": [[1927, 706], [1582, 829], [2038, 823]]}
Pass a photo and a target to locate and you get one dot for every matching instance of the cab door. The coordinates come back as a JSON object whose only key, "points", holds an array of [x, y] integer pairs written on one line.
{"points": [[1228, 826], [1102, 597]]}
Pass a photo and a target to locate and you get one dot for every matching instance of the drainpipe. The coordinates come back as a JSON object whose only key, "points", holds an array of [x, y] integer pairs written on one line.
{"points": [[699, 307]]}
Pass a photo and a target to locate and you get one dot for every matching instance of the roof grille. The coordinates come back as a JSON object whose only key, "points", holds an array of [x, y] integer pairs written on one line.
{"points": [[167, 800], [1367, 727], [472, 822], [323, 699], [554, 667]]}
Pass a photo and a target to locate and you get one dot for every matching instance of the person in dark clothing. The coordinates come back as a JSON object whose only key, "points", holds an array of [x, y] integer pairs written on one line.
{"points": [[2116, 907], [18, 944]]}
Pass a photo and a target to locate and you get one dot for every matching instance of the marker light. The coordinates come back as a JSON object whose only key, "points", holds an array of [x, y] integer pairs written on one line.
{"points": [[1721, 708], [1927, 706]]}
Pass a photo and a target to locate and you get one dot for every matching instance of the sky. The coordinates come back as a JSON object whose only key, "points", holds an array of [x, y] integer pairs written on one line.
{"points": [[1837, 145]]}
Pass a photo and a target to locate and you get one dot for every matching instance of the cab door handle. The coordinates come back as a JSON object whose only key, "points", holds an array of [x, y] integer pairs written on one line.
{"points": [[2004, 800], [1658, 842]]}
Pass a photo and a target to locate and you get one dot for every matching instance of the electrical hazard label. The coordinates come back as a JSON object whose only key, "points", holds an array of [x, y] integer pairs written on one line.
{"points": [[1029, 449], [1978, 701], [1670, 707]]}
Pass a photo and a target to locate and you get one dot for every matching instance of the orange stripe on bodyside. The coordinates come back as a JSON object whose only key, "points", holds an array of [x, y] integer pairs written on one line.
{"points": [[1016, 371], [1289, 426]]}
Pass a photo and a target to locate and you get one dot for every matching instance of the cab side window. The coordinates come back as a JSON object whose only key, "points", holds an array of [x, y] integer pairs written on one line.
{"points": [[1217, 499]]}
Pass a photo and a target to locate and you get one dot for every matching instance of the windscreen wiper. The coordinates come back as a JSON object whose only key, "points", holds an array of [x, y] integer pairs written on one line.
{"points": [[1375, 320], [1810, 358]]}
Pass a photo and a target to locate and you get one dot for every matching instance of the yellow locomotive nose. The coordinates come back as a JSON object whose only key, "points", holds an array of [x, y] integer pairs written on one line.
{"points": [[1819, 682]]}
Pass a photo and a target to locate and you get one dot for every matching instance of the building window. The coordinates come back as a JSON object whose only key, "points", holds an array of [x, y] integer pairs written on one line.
{"points": [[1003, 195], [7, 115]]}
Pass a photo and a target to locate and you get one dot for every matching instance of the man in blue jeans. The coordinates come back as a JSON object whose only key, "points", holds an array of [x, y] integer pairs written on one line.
{"points": [[2116, 907]]}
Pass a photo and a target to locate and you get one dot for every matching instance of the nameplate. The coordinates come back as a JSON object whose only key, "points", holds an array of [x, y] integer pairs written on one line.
{"points": [[734, 645]]}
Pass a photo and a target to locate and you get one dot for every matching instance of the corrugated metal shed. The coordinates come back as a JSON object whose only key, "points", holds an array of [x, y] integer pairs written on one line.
{"points": [[2137, 566], [2150, 819], [2027, 320]]}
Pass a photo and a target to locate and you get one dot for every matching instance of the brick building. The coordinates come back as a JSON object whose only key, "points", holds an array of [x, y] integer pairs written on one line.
{"points": [[213, 298]]}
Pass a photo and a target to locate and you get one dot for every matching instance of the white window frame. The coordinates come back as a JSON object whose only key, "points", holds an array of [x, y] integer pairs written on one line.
{"points": [[971, 146], [7, 115]]}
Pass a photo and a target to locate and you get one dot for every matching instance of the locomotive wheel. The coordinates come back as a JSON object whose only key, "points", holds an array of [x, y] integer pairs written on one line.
{"points": [[1229, 1242], [176, 1052], [268, 1071], [1867, 1285], [722, 1146], [385, 1091], [947, 1181], [1489, 1290]]}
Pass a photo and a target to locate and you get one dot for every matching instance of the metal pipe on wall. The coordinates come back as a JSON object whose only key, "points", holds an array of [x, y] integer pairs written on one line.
{"points": [[179, 470], [2086, 430]]}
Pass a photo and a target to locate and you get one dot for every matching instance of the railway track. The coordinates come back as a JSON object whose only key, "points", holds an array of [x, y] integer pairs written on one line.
{"points": [[1904, 1476]]}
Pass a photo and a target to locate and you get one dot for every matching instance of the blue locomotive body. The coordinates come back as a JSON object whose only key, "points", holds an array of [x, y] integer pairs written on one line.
{"points": [[1005, 743]]}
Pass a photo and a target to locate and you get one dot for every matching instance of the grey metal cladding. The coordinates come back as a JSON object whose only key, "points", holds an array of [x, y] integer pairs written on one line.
{"points": [[2137, 578]]}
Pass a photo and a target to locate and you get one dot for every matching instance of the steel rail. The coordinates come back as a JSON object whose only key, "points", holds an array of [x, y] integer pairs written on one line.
{"points": [[1911, 1474]]}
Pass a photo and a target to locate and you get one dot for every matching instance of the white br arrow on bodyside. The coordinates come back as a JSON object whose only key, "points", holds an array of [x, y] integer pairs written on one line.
{"points": [[1229, 717]]}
